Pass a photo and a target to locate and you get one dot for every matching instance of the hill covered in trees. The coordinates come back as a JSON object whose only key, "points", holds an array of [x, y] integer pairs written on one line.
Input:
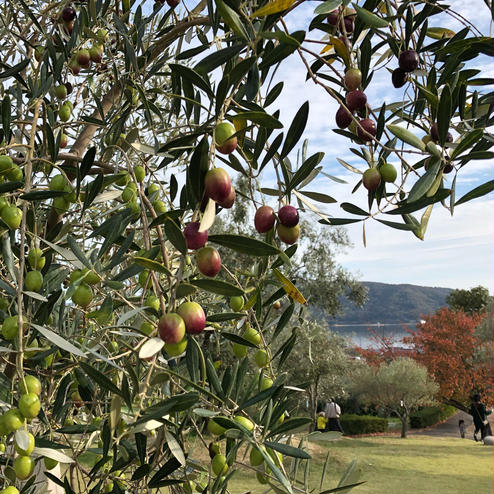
{"points": [[391, 304]]}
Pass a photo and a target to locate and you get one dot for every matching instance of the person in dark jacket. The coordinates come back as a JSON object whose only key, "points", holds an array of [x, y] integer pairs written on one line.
{"points": [[479, 414]]}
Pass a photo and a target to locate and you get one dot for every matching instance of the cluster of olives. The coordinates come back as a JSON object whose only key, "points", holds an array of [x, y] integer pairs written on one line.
{"points": [[408, 61], [10, 214], [28, 408], [287, 228], [343, 20], [355, 102], [130, 192]]}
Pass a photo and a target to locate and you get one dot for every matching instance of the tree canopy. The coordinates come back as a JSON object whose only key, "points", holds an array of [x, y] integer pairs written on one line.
{"points": [[470, 301], [446, 344], [399, 386]]}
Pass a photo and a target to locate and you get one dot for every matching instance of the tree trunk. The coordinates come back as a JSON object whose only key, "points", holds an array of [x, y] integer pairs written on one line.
{"points": [[404, 425], [313, 402]]}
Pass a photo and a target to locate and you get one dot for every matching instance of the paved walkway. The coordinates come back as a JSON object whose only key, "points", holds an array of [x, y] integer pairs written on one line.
{"points": [[449, 428]]}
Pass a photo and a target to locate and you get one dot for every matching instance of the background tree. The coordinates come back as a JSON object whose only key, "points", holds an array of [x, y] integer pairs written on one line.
{"points": [[446, 345], [470, 301], [319, 363], [382, 349], [399, 387]]}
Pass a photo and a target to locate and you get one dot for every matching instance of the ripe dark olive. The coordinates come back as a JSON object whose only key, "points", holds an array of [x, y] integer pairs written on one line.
{"points": [[399, 78], [409, 60], [172, 3], [288, 216], [333, 17], [366, 129], [343, 118], [349, 24], [448, 168], [355, 100], [435, 134], [68, 14], [264, 219]]}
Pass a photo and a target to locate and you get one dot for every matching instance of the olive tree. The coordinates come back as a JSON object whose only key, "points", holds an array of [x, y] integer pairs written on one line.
{"points": [[400, 387], [319, 363], [121, 123]]}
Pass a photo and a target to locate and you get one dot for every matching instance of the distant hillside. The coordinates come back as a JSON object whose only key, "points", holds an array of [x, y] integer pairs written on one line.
{"points": [[392, 304]]}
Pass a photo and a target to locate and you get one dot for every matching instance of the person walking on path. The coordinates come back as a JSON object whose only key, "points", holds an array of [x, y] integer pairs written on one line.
{"points": [[479, 414], [461, 425], [333, 412]]}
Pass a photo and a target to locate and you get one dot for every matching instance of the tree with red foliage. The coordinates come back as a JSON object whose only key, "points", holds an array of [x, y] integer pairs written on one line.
{"points": [[446, 343], [384, 349]]}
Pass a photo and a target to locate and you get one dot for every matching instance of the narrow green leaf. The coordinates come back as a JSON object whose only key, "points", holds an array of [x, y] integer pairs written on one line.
{"points": [[351, 208], [245, 245], [405, 207], [232, 19], [58, 340], [74, 247], [15, 69], [424, 183], [9, 186], [6, 115], [237, 339], [100, 379], [398, 226], [290, 425], [288, 450], [197, 168], [318, 197], [467, 141], [406, 136], [193, 77], [344, 488], [262, 118], [296, 129], [305, 170], [339, 221], [152, 265], [218, 58], [272, 8], [444, 114], [225, 316], [370, 19], [175, 236], [41, 195], [87, 161], [479, 191], [327, 7], [217, 286]]}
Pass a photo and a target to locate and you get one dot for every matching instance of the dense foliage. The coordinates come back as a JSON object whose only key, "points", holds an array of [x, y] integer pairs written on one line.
{"points": [[470, 301], [447, 345], [431, 416], [398, 387], [363, 424], [115, 128]]}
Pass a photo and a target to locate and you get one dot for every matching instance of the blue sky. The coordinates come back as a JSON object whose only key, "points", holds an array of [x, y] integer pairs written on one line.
{"points": [[458, 250]]}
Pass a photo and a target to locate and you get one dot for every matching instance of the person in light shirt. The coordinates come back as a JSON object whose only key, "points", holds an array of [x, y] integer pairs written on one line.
{"points": [[333, 412]]}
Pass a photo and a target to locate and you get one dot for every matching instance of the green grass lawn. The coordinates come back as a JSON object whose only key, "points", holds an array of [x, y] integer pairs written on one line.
{"points": [[418, 465]]}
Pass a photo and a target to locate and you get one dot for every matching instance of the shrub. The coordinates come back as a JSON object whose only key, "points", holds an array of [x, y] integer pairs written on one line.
{"points": [[363, 424], [430, 415]]}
